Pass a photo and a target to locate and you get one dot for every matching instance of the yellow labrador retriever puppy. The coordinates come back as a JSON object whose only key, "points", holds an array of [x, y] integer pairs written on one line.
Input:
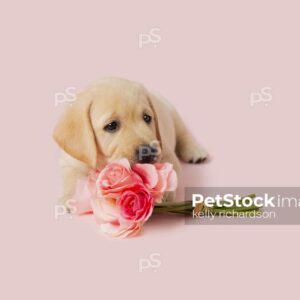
{"points": [[117, 118]]}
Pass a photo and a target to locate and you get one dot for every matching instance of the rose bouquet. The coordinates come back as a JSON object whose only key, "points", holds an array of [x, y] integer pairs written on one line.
{"points": [[123, 197]]}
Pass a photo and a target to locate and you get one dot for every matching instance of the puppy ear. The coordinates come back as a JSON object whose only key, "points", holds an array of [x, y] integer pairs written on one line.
{"points": [[156, 111], [74, 133]]}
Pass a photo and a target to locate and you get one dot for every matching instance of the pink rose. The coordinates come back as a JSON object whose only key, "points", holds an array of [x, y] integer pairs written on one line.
{"points": [[167, 178], [85, 190], [136, 204], [159, 178], [115, 178], [108, 216], [122, 198], [148, 173], [121, 230]]}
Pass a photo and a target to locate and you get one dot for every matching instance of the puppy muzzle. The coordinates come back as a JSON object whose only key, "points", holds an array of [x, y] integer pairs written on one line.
{"points": [[146, 154]]}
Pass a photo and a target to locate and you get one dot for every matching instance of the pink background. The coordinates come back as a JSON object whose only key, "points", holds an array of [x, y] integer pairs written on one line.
{"points": [[211, 56]]}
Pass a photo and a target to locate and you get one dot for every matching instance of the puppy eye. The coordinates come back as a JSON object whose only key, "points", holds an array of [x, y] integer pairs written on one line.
{"points": [[147, 118], [112, 127]]}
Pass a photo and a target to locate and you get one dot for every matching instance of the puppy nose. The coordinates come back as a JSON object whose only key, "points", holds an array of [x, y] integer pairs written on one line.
{"points": [[146, 154]]}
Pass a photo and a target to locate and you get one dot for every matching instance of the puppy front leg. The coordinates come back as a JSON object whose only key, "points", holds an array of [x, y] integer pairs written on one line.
{"points": [[187, 147], [70, 176]]}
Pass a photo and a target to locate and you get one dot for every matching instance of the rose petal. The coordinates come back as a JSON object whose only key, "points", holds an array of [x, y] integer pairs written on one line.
{"points": [[148, 173], [81, 200]]}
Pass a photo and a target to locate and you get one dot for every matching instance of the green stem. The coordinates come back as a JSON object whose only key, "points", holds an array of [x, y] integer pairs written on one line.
{"points": [[186, 208]]}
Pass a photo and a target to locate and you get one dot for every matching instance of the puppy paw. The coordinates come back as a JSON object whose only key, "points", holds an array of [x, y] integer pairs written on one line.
{"points": [[196, 155], [197, 160]]}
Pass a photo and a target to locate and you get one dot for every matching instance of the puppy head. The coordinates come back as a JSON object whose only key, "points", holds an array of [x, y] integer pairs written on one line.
{"points": [[111, 120]]}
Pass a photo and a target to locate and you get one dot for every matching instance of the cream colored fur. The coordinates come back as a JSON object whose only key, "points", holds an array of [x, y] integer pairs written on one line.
{"points": [[85, 144]]}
